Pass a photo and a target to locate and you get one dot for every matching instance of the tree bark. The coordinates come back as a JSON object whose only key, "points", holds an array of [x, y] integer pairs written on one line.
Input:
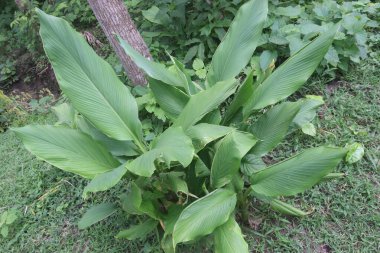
{"points": [[114, 18]]}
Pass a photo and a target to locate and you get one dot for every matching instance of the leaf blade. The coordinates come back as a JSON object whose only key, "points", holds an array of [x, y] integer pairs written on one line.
{"points": [[96, 213], [297, 173], [204, 215], [239, 43], [89, 81], [67, 149]]}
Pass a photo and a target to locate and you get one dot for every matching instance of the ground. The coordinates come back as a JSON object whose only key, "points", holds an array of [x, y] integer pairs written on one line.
{"points": [[344, 213]]}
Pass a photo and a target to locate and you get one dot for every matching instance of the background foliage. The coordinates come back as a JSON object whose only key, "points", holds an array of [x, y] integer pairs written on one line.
{"points": [[193, 29]]}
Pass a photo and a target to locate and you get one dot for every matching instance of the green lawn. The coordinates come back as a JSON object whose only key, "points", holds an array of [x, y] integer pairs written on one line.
{"points": [[345, 213]]}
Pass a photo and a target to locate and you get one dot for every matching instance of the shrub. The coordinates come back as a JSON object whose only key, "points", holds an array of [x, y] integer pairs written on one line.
{"points": [[199, 173], [193, 30]]}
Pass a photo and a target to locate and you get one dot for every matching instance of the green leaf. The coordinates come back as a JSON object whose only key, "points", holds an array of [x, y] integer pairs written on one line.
{"points": [[4, 231], [3, 218], [198, 64], [204, 215], [67, 149], [309, 129], [11, 216], [272, 126], [266, 59], [226, 162], [171, 145], [131, 201], [204, 102], [297, 173], [229, 239], [307, 113], [332, 176], [285, 208], [105, 181], [190, 86], [241, 97], [174, 211], [355, 152], [95, 214], [203, 133], [116, 147], [201, 169], [251, 163], [174, 181], [241, 40], [89, 82], [65, 113], [190, 54], [157, 16], [138, 231], [170, 99], [292, 74], [289, 11], [153, 69]]}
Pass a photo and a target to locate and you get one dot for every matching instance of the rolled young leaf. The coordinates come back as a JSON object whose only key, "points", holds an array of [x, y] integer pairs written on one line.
{"points": [[204, 215], [285, 208], [241, 40], [96, 213], [229, 239], [292, 74], [228, 155], [297, 173], [89, 81], [68, 149]]}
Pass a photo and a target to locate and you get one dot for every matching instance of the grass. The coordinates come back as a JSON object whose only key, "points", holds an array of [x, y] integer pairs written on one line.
{"points": [[345, 212]]}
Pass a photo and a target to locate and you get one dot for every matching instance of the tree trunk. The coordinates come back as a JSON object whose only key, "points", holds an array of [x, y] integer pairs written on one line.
{"points": [[114, 18]]}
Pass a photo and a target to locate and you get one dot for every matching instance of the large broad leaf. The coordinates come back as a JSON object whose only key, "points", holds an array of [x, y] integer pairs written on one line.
{"points": [[67, 149], [229, 239], [203, 133], [240, 42], [228, 156], [204, 215], [204, 102], [153, 69], [96, 213], [239, 100], [297, 173], [170, 99], [272, 126], [105, 181], [89, 82], [292, 74], [116, 147], [138, 231], [171, 145]]}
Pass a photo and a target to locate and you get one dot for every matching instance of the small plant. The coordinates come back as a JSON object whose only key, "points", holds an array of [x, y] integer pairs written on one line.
{"points": [[10, 113], [197, 175], [7, 218]]}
